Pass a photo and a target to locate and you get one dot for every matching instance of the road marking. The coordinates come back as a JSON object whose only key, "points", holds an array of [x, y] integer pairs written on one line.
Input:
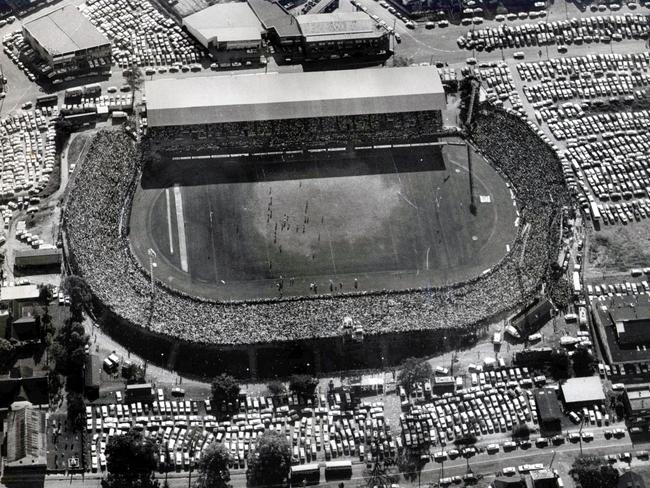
{"points": [[169, 222], [180, 223]]}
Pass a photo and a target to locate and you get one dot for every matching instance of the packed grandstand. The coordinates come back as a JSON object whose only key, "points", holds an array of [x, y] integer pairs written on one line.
{"points": [[98, 249]]}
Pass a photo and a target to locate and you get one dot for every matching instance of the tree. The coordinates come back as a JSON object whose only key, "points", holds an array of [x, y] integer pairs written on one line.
{"points": [[521, 431], [583, 362], [303, 385], [7, 355], [225, 390], [410, 463], [269, 463], [76, 410], [379, 475], [560, 365], [594, 472], [413, 371], [130, 462], [276, 388], [134, 79], [213, 467], [133, 373], [44, 295], [401, 61], [80, 297]]}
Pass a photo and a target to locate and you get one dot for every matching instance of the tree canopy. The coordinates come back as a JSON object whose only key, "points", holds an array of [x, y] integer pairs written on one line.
{"points": [[583, 362], [130, 462], [303, 385], [594, 472], [225, 390], [413, 371], [213, 467], [7, 355], [80, 296], [560, 365], [269, 463], [276, 388]]}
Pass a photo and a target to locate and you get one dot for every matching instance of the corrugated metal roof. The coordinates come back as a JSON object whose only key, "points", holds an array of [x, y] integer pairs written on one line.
{"points": [[237, 98], [273, 16], [348, 23], [65, 30], [224, 22]]}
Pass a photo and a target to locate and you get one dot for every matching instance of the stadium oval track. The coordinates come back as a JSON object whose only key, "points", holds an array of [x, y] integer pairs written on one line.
{"points": [[270, 339]]}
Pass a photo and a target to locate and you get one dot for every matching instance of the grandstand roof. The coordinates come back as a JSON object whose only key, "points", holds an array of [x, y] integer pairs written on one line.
{"points": [[65, 30], [224, 22], [338, 26], [238, 98]]}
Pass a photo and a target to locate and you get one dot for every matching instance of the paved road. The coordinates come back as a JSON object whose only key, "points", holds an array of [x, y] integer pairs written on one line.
{"points": [[482, 464]]}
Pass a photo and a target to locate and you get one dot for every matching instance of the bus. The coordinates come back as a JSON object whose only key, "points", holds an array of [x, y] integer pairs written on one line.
{"points": [[338, 470], [595, 213], [305, 473], [46, 100], [577, 287]]}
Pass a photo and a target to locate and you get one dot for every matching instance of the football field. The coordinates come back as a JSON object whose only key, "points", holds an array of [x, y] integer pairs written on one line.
{"points": [[329, 222]]}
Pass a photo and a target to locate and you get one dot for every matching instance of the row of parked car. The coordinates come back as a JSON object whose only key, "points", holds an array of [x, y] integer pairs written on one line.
{"points": [[27, 150], [562, 32], [142, 35]]}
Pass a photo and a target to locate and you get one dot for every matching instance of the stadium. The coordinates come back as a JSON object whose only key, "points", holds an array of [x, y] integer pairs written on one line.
{"points": [[301, 222]]}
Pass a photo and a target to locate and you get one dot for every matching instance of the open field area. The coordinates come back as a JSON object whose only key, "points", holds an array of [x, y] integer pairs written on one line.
{"points": [[389, 220]]}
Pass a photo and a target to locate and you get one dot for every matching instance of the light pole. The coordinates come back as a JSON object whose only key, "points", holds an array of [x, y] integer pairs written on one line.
{"points": [[152, 264]]}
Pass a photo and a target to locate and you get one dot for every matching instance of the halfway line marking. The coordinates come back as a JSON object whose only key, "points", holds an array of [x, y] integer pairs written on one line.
{"points": [[180, 223]]}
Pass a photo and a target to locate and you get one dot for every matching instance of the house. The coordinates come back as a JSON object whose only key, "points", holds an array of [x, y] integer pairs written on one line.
{"points": [[630, 479]]}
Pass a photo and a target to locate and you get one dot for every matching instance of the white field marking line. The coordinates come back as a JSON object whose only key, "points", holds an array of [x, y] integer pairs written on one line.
{"points": [[169, 222], [180, 223], [428, 249]]}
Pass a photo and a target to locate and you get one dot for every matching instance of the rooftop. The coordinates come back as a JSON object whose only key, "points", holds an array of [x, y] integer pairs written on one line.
{"points": [[273, 96], [338, 26], [273, 16], [23, 292], [25, 434], [224, 22], [65, 30], [547, 405], [579, 390]]}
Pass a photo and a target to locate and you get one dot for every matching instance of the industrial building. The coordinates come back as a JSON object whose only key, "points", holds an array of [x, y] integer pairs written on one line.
{"points": [[549, 412], [637, 404], [68, 42], [25, 446], [583, 392], [34, 258], [294, 111], [231, 32], [339, 39]]}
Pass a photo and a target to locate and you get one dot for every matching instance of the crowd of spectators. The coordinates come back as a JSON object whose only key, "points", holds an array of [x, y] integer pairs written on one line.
{"points": [[316, 132], [99, 251]]}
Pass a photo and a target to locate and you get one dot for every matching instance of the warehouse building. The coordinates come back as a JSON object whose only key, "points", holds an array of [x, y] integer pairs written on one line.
{"points": [[583, 392], [338, 39], [549, 412], [25, 446], [36, 258], [231, 32], [68, 42]]}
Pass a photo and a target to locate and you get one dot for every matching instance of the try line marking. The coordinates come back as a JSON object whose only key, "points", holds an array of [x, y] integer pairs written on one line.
{"points": [[169, 222]]}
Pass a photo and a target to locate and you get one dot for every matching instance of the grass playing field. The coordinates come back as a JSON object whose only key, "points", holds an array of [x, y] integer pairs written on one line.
{"points": [[389, 219]]}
